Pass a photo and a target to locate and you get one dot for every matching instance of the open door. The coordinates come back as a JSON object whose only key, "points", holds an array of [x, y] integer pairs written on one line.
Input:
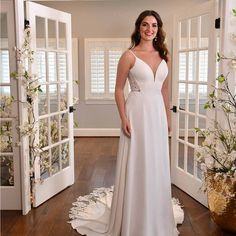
{"points": [[9, 150], [194, 72], [51, 42]]}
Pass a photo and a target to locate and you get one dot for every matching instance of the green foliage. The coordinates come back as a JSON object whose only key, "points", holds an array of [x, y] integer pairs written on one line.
{"points": [[221, 79], [234, 12]]}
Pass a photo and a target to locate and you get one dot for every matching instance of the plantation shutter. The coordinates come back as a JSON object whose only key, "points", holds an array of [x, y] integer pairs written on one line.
{"points": [[97, 62], [114, 56], [101, 60], [4, 65]]}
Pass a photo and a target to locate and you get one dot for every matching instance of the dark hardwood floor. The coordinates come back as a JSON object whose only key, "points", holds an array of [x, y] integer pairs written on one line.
{"points": [[95, 160]]}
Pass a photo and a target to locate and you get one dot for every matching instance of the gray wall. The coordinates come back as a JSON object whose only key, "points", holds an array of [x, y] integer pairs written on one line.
{"points": [[104, 19]]}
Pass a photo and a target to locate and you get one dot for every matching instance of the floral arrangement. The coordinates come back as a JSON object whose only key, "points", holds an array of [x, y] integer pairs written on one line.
{"points": [[217, 153]]}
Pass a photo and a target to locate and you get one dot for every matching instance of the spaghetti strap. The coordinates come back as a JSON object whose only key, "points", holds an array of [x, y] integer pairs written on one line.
{"points": [[132, 52]]}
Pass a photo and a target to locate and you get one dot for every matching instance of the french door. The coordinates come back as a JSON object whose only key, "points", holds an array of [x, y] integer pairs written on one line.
{"points": [[51, 41], [9, 148], [193, 74]]}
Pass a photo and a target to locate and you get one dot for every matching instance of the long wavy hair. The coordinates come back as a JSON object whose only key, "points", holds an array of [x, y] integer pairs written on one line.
{"points": [[159, 43]]}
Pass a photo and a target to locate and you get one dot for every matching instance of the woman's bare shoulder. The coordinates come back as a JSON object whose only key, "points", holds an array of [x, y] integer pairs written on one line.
{"points": [[128, 58]]}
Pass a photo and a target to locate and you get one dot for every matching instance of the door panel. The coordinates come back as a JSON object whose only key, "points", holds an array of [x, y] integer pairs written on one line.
{"points": [[9, 150], [193, 52], [51, 40]]}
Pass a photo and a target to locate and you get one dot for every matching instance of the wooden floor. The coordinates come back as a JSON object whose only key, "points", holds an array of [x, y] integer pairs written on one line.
{"points": [[95, 160]]}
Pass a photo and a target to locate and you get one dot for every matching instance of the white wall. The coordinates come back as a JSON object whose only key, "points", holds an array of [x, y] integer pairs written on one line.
{"points": [[114, 18]]}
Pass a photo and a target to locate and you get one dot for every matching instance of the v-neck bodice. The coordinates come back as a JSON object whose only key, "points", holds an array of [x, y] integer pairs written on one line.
{"points": [[141, 75]]}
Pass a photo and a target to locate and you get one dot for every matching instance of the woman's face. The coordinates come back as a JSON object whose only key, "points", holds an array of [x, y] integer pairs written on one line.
{"points": [[148, 28]]}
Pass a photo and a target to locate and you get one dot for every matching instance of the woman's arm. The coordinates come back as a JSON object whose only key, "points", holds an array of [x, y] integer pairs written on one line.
{"points": [[165, 93], [125, 63]]}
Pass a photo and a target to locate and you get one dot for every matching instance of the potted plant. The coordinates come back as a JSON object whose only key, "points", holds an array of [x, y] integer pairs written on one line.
{"points": [[217, 154]]}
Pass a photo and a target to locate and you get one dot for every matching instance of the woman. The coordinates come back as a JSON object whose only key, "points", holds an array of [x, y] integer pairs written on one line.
{"points": [[141, 204]]}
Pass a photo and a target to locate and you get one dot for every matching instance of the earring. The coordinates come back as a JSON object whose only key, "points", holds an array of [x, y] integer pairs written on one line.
{"points": [[155, 39]]}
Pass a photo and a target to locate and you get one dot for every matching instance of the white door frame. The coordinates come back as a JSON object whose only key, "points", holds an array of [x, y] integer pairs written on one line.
{"points": [[25, 174], [11, 195], [180, 177]]}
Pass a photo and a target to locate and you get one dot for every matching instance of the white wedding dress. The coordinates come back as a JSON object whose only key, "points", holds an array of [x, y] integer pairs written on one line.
{"points": [[140, 203]]}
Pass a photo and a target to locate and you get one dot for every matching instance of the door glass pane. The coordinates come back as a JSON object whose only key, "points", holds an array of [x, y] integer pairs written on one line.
{"points": [[191, 97], [55, 160], [62, 35], [52, 43], [181, 125], [203, 65], [44, 164], [43, 100], [5, 91], [181, 156], [193, 32], [7, 170], [6, 102], [54, 125], [65, 154], [4, 31], [182, 66], [64, 126], [63, 97], [40, 32], [200, 137], [199, 171], [205, 19], [192, 66], [41, 66], [191, 126], [190, 161], [6, 136], [202, 89], [53, 94], [4, 67], [184, 34], [62, 67], [202, 123], [52, 67], [43, 133], [182, 95]]}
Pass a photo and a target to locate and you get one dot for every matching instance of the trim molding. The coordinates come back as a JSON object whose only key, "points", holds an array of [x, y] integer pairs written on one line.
{"points": [[83, 132], [96, 132]]}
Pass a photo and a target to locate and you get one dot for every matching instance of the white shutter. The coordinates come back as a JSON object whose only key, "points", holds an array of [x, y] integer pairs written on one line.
{"points": [[62, 68], [41, 65], [203, 65], [52, 66], [4, 67], [97, 71], [101, 59], [114, 56]]}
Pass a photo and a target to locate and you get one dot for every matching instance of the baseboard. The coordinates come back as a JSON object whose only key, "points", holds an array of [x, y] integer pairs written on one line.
{"points": [[83, 132]]}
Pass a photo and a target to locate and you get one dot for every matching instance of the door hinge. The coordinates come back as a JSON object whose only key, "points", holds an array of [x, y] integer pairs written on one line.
{"points": [[27, 24], [217, 23]]}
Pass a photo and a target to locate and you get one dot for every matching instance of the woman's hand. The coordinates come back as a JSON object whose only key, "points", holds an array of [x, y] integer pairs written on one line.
{"points": [[126, 127]]}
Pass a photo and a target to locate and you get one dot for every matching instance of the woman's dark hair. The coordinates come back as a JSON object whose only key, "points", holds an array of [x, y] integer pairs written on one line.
{"points": [[159, 44]]}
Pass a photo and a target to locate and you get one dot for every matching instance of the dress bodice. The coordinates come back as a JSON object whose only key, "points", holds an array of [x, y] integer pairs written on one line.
{"points": [[141, 77]]}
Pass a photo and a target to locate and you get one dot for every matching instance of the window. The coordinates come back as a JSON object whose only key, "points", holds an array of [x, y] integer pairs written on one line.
{"points": [[101, 59]]}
